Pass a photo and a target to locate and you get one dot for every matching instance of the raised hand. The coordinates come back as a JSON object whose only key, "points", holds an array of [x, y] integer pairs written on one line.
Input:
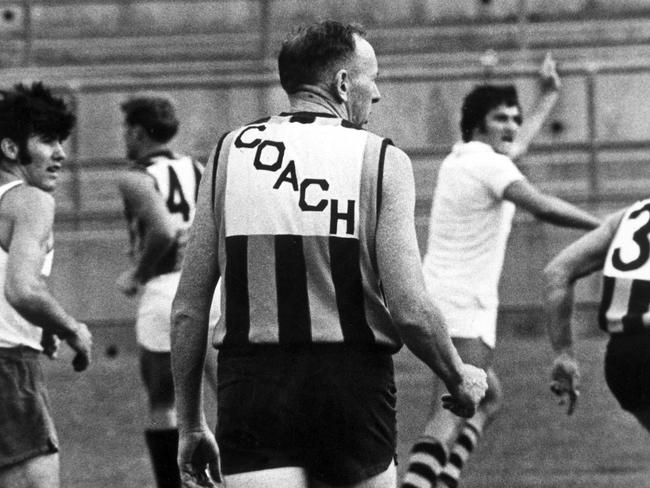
{"points": [[548, 77]]}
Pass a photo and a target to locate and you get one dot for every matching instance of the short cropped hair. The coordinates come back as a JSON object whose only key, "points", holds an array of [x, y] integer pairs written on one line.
{"points": [[156, 115], [306, 56], [480, 101], [33, 110]]}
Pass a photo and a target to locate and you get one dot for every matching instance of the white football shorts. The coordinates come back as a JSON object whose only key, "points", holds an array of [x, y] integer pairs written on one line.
{"points": [[152, 326], [468, 318]]}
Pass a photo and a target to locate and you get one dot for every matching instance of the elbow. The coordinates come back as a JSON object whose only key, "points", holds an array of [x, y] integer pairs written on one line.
{"points": [[20, 296], [411, 324]]}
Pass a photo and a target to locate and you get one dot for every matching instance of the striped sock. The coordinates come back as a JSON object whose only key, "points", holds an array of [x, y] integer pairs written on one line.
{"points": [[427, 459], [460, 452]]}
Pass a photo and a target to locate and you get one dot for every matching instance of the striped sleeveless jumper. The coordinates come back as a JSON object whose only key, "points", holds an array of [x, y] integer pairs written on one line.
{"points": [[296, 200], [626, 285], [176, 178]]}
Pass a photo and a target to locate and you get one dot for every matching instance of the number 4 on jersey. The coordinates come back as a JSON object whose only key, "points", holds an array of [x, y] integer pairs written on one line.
{"points": [[176, 202]]}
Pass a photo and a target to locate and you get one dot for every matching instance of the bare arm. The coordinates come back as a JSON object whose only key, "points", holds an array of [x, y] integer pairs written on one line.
{"points": [[420, 323], [579, 259], [191, 307], [197, 448], [547, 207], [549, 82], [140, 195], [25, 287]]}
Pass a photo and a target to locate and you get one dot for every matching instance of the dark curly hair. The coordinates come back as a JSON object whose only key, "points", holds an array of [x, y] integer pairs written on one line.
{"points": [[33, 110], [313, 50], [156, 115], [480, 101]]}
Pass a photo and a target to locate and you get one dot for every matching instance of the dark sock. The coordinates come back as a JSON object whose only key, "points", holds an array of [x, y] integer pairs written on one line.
{"points": [[163, 448]]}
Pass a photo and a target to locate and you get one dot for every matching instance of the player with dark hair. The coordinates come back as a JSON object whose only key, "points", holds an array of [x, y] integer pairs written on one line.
{"points": [[309, 218], [480, 101], [33, 125], [159, 193], [478, 188], [620, 247]]}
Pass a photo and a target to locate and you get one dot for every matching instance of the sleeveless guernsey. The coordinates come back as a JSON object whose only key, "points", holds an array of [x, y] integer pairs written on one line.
{"points": [[296, 200], [14, 329], [626, 285], [176, 178]]}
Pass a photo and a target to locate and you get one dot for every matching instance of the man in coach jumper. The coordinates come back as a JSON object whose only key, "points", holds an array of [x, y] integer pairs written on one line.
{"points": [[309, 220]]}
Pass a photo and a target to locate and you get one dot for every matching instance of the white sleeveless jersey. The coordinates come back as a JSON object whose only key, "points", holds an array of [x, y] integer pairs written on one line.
{"points": [[14, 329]]}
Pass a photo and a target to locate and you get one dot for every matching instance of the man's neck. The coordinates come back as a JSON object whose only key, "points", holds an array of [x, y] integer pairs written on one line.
{"points": [[10, 172], [151, 151], [312, 98]]}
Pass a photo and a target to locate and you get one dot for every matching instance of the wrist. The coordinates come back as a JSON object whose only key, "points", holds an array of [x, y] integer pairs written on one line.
{"points": [[454, 377], [72, 329]]}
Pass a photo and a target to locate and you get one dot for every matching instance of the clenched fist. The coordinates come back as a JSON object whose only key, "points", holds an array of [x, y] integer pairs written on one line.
{"points": [[464, 398]]}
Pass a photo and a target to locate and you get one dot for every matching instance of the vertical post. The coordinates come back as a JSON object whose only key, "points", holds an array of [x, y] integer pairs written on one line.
{"points": [[593, 177], [264, 51], [71, 93], [28, 35], [522, 24], [265, 29]]}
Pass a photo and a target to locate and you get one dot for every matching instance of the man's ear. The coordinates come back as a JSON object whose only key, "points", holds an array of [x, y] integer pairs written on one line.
{"points": [[342, 85], [9, 149]]}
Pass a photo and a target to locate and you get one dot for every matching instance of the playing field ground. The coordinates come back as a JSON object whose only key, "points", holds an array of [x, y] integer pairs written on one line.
{"points": [[99, 415]]}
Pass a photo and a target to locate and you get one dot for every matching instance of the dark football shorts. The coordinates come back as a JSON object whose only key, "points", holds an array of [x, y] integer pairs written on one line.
{"points": [[26, 427], [329, 409], [627, 370]]}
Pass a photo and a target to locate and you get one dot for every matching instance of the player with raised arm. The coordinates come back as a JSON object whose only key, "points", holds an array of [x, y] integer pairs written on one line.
{"points": [[621, 248], [309, 219], [478, 188], [33, 125], [159, 193]]}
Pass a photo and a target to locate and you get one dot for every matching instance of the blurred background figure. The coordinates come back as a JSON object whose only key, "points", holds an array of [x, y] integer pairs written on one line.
{"points": [[474, 202], [159, 193], [33, 126]]}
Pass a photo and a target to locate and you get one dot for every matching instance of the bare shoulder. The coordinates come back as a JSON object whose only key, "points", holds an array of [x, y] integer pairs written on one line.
{"points": [[398, 180], [136, 186], [397, 156], [397, 164], [28, 202], [132, 180]]}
